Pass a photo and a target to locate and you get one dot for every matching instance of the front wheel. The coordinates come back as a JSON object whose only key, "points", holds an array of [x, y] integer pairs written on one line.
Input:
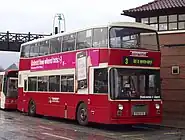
{"points": [[82, 114], [32, 108]]}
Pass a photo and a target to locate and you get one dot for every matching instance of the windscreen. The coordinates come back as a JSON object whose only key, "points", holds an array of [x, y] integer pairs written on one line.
{"points": [[133, 38], [12, 90], [10, 87], [134, 83]]}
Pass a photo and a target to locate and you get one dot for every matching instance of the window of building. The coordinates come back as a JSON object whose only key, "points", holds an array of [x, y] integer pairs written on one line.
{"points": [[172, 26], [182, 17], [34, 50], [55, 45], [54, 83], [163, 26], [145, 20], [84, 39], [32, 83], [172, 22], [43, 83], [153, 19], [181, 25], [162, 19], [101, 80], [25, 50], [67, 83], [100, 37], [172, 18], [175, 70], [44, 48], [167, 22], [68, 43]]}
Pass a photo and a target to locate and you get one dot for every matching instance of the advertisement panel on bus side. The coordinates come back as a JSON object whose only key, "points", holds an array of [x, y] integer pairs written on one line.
{"points": [[59, 61]]}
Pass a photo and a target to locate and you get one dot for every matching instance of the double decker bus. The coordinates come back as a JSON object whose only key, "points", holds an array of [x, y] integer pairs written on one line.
{"points": [[8, 89], [107, 74]]}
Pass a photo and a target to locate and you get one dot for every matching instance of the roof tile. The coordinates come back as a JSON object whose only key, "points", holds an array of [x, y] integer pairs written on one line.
{"points": [[157, 5]]}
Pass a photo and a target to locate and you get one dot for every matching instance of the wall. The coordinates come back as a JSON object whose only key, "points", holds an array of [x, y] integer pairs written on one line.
{"points": [[173, 86]]}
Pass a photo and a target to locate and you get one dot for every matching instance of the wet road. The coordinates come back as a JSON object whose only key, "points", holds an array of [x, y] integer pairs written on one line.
{"points": [[15, 126]]}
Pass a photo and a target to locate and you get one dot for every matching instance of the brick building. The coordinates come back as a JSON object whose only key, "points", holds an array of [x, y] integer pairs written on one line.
{"points": [[168, 17]]}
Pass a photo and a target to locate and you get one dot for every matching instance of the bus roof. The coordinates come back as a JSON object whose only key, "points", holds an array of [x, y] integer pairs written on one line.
{"points": [[121, 24], [2, 73], [7, 71]]}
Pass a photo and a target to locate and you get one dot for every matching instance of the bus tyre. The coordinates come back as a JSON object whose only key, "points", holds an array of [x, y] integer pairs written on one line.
{"points": [[82, 114], [32, 109]]}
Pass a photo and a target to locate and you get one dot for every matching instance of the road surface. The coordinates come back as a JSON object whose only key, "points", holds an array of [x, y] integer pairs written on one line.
{"points": [[16, 126]]}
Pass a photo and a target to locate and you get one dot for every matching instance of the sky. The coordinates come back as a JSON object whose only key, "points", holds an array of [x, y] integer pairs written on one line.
{"points": [[36, 16]]}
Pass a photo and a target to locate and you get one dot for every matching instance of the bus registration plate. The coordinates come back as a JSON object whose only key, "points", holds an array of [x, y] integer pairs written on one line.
{"points": [[139, 113]]}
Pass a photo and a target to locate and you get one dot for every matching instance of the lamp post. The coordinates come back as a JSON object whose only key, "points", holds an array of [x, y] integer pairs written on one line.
{"points": [[60, 17]]}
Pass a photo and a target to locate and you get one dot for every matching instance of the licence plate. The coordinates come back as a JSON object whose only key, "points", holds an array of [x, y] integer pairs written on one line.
{"points": [[139, 113]]}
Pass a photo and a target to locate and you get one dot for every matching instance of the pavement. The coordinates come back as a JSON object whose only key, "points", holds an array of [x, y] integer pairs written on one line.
{"points": [[16, 126], [170, 123]]}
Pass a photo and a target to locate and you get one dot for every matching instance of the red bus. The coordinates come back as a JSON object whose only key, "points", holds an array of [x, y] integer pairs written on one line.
{"points": [[8, 89], [106, 74]]}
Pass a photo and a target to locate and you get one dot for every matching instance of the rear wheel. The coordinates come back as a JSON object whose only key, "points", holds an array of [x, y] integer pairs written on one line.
{"points": [[82, 114], [32, 108]]}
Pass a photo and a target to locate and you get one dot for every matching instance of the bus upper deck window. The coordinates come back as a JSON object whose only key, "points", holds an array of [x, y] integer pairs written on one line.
{"points": [[100, 37], [55, 45], [25, 51], [68, 43], [34, 50], [43, 48], [84, 39]]}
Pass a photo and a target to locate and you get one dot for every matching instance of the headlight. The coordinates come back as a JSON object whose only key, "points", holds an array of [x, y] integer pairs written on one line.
{"points": [[120, 107], [157, 106]]}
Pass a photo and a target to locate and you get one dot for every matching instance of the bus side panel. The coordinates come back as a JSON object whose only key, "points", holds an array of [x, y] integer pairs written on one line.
{"points": [[59, 104], [65, 105], [98, 108], [24, 64], [103, 54], [20, 100], [55, 104]]}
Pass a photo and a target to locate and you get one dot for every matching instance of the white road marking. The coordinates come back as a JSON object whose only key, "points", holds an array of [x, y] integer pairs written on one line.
{"points": [[57, 136], [172, 133], [24, 129], [139, 139], [3, 119], [45, 127], [134, 135]]}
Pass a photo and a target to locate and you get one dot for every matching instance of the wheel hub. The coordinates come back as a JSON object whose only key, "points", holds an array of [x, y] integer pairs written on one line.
{"points": [[83, 114]]}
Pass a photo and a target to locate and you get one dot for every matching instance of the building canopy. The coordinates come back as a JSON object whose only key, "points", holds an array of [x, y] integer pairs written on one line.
{"points": [[157, 7]]}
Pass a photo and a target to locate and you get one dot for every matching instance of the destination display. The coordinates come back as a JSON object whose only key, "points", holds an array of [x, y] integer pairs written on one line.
{"points": [[138, 61]]}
